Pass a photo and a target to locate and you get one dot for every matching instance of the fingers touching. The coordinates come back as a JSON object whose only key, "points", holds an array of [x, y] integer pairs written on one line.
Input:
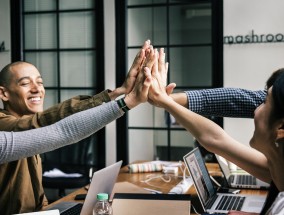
{"points": [[147, 77], [156, 63], [139, 59], [135, 68]]}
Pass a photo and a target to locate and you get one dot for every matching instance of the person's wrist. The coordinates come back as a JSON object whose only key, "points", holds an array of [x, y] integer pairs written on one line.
{"points": [[130, 101], [180, 98], [122, 105]]}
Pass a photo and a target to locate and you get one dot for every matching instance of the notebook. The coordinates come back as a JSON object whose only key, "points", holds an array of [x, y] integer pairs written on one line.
{"points": [[211, 200], [102, 182], [239, 179]]}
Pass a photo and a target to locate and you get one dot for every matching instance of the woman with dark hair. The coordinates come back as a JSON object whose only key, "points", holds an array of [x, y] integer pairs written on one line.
{"points": [[264, 159]]}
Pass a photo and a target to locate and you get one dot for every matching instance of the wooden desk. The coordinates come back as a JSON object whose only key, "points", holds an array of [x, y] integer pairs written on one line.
{"points": [[165, 187], [157, 183]]}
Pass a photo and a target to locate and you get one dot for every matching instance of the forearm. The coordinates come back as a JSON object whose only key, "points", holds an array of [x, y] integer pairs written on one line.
{"points": [[215, 139], [180, 98], [17, 145], [225, 102], [200, 127]]}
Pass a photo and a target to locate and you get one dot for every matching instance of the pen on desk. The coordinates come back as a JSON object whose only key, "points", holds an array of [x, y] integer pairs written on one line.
{"points": [[153, 191]]}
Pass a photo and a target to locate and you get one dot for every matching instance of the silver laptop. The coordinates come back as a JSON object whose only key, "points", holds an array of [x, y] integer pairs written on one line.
{"points": [[212, 201], [239, 178], [103, 181]]}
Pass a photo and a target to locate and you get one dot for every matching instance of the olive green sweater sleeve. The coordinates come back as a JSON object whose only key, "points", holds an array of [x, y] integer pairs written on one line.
{"points": [[53, 114]]}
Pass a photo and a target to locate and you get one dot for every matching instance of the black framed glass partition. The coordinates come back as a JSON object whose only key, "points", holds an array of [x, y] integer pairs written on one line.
{"points": [[60, 37], [191, 33]]}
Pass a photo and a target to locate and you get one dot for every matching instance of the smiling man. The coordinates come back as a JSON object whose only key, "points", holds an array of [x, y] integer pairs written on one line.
{"points": [[22, 93]]}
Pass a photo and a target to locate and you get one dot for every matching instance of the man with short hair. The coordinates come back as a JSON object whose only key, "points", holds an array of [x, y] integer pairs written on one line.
{"points": [[22, 92]]}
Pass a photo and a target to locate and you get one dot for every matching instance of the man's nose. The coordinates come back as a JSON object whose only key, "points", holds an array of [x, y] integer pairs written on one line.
{"points": [[35, 87]]}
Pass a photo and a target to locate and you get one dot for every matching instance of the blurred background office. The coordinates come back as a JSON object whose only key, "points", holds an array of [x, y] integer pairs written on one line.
{"points": [[86, 46]]}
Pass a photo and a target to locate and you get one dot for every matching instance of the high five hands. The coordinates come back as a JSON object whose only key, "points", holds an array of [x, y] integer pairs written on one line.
{"points": [[156, 70], [147, 78]]}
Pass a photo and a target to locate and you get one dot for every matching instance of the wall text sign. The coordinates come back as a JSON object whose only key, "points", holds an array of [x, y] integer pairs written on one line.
{"points": [[254, 38]]}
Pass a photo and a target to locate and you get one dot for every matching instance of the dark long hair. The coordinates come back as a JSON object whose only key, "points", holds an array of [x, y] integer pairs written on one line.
{"points": [[278, 96]]}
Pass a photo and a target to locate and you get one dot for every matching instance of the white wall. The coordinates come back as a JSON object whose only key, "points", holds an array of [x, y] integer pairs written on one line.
{"points": [[109, 19], [5, 34], [249, 65], [5, 57]]}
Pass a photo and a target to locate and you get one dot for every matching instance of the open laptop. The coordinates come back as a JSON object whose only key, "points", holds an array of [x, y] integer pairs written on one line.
{"points": [[103, 181], [239, 178], [212, 201]]}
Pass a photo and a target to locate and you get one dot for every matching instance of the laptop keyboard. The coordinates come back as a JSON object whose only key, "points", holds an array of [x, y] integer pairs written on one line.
{"points": [[212, 201], [230, 203], [75, 210], [246, 179]]}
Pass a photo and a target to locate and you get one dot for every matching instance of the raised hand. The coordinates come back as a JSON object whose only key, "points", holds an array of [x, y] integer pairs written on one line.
{"points": [[135, 68], [150, 57], [137, 65], [139, 93], [159, 71]]}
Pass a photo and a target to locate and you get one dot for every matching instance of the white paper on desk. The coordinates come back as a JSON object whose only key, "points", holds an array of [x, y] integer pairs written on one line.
{"points": [[51, 212], [165, 163], [54, 173]]}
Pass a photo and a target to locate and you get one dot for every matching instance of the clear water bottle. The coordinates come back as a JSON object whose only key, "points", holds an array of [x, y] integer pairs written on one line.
{"points": [[102, 207]]}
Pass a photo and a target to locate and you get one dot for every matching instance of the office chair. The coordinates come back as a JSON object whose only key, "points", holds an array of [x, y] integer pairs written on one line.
{"points": [[76, 158]]}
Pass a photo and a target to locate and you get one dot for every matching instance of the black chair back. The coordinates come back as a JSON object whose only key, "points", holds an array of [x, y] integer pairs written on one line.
{"points": [[75, 158]]}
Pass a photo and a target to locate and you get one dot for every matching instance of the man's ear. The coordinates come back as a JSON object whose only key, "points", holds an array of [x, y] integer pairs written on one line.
{"points": [[3, 94]]}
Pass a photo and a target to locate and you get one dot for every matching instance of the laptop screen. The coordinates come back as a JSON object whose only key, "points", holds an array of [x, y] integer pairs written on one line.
{"points": [[223, 165], [196, 166]]}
